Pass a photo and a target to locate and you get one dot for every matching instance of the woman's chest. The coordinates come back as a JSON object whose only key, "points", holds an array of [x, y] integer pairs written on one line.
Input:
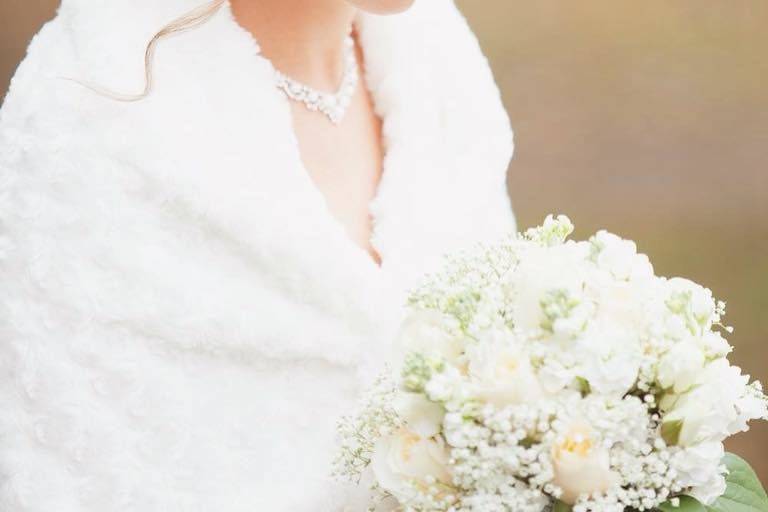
{"points": [[221, 225], [344, 161]]}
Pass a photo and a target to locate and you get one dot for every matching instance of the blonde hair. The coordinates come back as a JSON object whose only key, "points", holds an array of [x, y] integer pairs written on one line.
{"points": [[187, 21]]}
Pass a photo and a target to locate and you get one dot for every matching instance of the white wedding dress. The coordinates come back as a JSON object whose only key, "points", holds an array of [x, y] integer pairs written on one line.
{"points": [[181, 319]]}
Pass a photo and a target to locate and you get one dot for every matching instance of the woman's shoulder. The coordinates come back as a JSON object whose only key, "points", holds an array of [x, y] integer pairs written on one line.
{"points": [[431, 55], [99, 43]]}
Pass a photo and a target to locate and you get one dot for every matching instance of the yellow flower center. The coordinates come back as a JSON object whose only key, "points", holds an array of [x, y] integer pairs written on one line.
{"points": [[409, 440], [577, 442], [507, 365]]}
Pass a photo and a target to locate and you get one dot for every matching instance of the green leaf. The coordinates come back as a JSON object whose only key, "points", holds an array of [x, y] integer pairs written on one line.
{"points": [[670, 431], [584, 387], [559, 506], [687, 504], [744, 493]]}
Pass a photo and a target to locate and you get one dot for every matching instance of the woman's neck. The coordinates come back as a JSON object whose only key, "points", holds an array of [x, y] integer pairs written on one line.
{"points": [[303, 38]]}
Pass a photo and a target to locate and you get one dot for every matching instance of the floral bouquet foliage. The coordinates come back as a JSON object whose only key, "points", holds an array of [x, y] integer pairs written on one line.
{"points": [[545, 374]]}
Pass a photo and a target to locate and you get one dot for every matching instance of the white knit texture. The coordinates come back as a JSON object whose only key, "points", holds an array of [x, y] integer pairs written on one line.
{"points": [[181, 319]]}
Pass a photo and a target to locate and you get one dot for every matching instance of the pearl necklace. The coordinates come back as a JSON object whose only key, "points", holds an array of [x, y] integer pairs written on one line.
{"points": [[333, 105]]}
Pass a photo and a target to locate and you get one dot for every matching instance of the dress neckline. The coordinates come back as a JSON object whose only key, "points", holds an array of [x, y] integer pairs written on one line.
{"points": [[305, 179]]}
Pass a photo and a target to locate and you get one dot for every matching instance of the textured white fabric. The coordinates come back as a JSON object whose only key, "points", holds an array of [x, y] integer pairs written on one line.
{"points": [[182, 321]]}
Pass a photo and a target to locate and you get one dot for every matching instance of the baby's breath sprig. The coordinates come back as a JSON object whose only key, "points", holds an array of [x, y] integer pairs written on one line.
{"points": [[359, 432]]}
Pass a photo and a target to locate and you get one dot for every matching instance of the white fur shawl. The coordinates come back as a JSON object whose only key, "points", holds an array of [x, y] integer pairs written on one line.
{"points": [[181, 319]]}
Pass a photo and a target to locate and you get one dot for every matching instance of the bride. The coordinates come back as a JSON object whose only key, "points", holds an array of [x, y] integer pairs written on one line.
{"points": [[204, 253]]}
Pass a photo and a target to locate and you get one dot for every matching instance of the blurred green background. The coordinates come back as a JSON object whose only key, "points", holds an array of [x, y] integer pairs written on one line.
{"points": [[646, 118]]}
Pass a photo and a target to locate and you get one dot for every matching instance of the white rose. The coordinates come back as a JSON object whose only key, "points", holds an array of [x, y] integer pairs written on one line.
{"points": [[581, 466], [405, 463], [415, 456], [427, 332], [680, 367], [419, 414], [502, 374]]}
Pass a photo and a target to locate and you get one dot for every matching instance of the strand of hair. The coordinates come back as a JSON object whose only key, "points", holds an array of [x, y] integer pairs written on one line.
{"points": [[190, 20]]}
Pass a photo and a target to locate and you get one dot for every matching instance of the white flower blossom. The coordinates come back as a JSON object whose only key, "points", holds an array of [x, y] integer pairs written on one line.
{"points": [[541, 369], [680, 368], [413, 456], [699, 468], [720, 404], [502, 374], [619, 257], [581, 465]]}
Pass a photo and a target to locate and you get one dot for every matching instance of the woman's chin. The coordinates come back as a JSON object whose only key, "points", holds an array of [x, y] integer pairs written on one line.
{"points": [[382, 6]]}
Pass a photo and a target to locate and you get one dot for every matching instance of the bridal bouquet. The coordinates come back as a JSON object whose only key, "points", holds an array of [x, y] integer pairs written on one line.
{"points": [[545, 374]]}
